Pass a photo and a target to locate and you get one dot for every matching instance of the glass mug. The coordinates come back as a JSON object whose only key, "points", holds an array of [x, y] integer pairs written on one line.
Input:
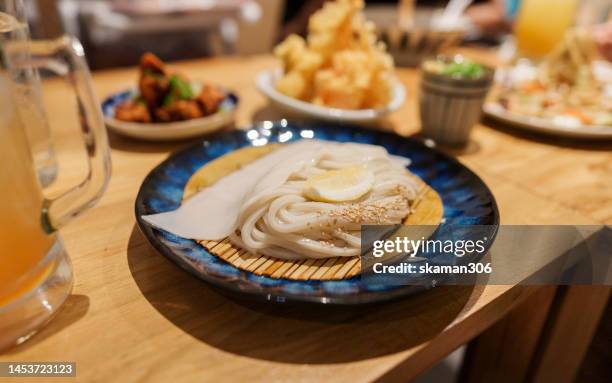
{"points": [[35, 272], [29, 98], [541, 24]]}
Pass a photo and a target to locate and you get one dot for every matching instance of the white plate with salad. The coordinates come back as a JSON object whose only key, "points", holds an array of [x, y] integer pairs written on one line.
{"points": [[531, 98]]}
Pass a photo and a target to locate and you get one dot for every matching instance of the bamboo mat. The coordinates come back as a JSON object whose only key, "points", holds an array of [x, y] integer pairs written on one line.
{"points": [[427, 210]]}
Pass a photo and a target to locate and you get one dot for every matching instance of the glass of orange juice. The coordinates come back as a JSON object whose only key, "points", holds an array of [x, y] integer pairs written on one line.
{"points": [[35, 273], [541, 24]]}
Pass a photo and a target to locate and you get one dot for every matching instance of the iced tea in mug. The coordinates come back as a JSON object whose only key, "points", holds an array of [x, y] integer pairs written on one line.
{"points": [[35, 273], [23, 240]]}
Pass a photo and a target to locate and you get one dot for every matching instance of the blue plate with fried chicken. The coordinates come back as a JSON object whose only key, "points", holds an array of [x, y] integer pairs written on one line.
{"points": [[167, 106]]}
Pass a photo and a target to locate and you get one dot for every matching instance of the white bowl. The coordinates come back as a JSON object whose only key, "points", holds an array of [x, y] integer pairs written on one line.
{"points": [[265, 83], [161, 131]]}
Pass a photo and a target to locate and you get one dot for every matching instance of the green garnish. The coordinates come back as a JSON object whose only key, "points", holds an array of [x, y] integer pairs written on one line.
{"points": [[139, 100], [464, 69], [168, 99], [180, 88], [150, 72]]}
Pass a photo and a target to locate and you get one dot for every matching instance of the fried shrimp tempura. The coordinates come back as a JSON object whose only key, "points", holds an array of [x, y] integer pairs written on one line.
{"points": [[340, 64]]}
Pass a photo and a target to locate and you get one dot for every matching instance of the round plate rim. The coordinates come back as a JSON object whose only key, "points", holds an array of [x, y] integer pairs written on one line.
{"points": [[343, 300], [542, 125]]}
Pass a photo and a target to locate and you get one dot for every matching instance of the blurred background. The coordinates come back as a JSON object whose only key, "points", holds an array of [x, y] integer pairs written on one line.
{"points": [[116, 32]]}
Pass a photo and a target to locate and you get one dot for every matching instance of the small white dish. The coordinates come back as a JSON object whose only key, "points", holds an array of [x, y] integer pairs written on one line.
{"points": [[162, 131], [265, 83]]}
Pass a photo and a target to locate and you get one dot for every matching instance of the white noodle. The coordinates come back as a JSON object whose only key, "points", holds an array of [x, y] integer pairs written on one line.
{"points": [[280, 221]]}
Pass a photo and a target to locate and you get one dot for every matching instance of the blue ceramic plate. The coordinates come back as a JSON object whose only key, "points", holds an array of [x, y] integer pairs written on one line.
{"points": [[466, 200], [162, 131]]}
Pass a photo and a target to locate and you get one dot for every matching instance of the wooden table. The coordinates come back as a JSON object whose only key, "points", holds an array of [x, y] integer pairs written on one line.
{"points": [[134, 316]]}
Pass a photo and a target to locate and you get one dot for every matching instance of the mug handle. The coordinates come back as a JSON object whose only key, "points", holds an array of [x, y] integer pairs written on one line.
{"points": [[65, 56]]}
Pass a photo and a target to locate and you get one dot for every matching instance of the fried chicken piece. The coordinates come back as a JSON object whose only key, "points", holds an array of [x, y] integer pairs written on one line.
{"points": [[179, 110], [185, 109], [162, 114], [210, 98], [153, 63], [152, 88], [132, 111], [169, 97], [153, 83]]}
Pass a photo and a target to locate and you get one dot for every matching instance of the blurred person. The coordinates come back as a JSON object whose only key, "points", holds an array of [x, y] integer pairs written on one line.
{"points": [[489, 17]]}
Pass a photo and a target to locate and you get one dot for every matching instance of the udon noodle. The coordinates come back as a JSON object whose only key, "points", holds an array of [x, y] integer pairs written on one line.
{"points": [[282, 221]]}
